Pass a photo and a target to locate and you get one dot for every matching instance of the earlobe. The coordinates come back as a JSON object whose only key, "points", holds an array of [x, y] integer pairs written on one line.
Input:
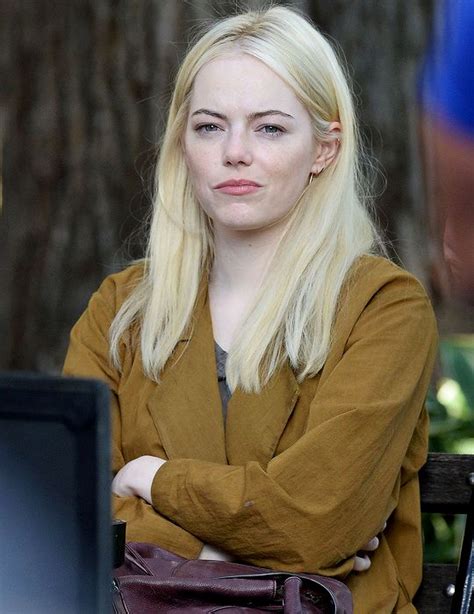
{"points": [[317, 169]]}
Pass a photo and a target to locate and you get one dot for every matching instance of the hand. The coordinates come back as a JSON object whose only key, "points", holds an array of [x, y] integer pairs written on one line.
{"points": [[136, 477], [213, 553], [362, 563]]}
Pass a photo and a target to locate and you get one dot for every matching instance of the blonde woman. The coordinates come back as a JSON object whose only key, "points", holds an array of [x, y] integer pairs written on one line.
{"points": [[268, 368]]}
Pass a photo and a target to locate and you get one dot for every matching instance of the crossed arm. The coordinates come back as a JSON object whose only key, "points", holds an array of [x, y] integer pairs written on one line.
{"points": [[135, 479], [362, 421]]}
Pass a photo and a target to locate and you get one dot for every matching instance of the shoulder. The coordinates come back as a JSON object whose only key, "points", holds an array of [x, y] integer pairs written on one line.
{"points": [[116, 288], [106, 301], [89, 346], [370, 275], [377, 289], [385, 312]]}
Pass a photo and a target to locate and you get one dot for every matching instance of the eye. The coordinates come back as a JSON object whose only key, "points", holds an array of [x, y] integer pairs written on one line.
{"points": [[272, 130], [206, 128]]}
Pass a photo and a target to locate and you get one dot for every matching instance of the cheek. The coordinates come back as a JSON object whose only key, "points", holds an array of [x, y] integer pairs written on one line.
{"points": [[291, 169], [198, 164], [290, 156]]}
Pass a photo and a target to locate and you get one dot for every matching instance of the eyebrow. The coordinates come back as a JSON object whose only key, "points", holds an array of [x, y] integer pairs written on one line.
{"points": [[250, 116]]}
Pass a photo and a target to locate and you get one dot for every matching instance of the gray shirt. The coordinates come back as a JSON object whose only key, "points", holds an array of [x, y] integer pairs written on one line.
{"points": [[221, 357]]}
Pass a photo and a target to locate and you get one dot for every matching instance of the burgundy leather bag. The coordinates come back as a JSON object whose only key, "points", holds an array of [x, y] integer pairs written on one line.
{"points": [[153, 580]]}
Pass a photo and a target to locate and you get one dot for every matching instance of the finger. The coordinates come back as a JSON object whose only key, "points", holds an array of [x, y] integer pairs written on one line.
{"points": [[371, 545], [361, 563]]}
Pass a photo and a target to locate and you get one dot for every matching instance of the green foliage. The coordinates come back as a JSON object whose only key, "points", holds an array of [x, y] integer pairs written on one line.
{"points": [[451, 409], [443, 537]]}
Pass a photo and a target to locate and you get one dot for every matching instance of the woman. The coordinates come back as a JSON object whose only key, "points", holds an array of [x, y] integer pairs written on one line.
{"points": [[262, 253]]}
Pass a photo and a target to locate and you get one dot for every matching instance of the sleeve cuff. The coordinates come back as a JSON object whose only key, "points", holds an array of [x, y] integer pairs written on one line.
{"points": [[164, 487]]}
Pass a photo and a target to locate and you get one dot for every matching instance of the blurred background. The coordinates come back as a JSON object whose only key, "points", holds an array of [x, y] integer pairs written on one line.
{"points": [[84, 97]]}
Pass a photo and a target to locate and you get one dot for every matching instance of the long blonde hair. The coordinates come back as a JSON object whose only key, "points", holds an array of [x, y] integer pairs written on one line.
{"points": [[330, 228]]}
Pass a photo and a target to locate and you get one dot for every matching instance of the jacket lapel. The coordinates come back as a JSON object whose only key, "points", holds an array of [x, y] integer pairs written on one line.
{"points": [[186, 406], [255, 422], [187, 411]]}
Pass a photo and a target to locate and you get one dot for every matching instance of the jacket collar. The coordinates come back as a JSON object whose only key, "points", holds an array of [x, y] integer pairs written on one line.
{"points": [[187, 411]]}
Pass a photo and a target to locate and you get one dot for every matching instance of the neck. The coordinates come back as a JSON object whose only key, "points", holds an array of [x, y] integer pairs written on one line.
{"points": [[240, 263], [242, 258]]}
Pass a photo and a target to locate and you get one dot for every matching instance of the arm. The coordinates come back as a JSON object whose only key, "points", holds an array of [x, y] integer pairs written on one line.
{"points": [[447, 131], [87, 356], [316, 504], [449, 167], [136, 479]]}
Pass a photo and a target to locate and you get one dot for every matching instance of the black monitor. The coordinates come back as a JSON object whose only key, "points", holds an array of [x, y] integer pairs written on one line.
{"points": [[55, 540]]}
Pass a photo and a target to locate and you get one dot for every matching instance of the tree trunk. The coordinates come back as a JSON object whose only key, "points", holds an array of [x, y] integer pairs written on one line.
{"points": [[87, 85]]}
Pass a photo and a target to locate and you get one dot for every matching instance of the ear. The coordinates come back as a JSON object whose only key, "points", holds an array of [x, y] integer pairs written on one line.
{"points": [[327, 150]]}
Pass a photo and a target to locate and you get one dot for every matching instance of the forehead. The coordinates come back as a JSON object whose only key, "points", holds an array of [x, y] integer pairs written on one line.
{"points": [[240, 81]]}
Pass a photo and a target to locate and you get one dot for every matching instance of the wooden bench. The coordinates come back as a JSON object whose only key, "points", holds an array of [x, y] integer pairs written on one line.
{"points": [[447, 487]]}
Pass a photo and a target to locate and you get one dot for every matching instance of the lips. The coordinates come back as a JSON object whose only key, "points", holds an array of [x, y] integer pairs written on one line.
{"points": [[237, 187], [237, 182]]}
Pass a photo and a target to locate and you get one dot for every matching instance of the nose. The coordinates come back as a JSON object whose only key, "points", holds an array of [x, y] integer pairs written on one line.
{"points": [[237, 149]]}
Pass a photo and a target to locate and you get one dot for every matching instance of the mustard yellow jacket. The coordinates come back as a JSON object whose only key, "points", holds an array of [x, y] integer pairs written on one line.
{"points": [[302, 474]]}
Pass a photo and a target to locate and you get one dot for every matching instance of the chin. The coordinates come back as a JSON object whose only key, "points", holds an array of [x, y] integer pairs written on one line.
{"points": [[243, 225], [248, 221]]}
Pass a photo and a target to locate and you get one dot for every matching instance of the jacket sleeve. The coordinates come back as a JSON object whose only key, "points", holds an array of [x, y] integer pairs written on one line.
{"points": [[318, 502], [88, 356]]}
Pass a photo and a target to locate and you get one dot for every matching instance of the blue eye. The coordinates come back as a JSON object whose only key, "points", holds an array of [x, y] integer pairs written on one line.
{"points": [[207, 128], [272, 130]]}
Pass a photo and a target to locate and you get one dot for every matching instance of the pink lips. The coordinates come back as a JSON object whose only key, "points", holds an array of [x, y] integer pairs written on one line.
{"points": [[237, 187]]}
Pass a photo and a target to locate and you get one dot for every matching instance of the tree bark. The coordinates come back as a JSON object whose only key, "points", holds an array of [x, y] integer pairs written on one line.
{"points": [[87, 86]]}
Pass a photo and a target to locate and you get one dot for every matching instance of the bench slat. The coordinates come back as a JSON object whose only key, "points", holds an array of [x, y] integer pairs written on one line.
{"points": [[431, 597], [444, 483]]}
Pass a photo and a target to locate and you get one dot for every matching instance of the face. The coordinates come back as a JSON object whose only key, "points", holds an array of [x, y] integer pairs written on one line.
{"points": [[248, 144]]}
